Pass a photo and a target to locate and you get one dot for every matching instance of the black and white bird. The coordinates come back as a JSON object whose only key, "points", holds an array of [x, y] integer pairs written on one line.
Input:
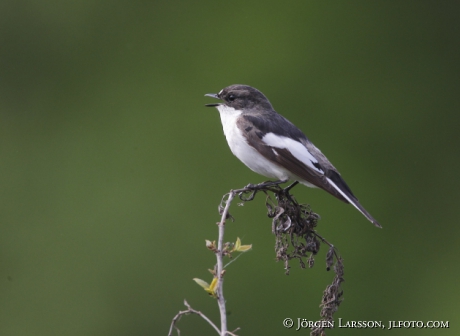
{"points": [[272, 146]]}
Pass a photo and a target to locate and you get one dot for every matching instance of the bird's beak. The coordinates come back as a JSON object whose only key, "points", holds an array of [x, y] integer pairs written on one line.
{"points": [[212, 95]]}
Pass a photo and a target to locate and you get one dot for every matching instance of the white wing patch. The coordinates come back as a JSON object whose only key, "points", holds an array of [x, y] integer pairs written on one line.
{"points": [[299, 151]]}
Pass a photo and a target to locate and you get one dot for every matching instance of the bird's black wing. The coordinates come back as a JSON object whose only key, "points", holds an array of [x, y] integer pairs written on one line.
{"points": [[312, 167]]}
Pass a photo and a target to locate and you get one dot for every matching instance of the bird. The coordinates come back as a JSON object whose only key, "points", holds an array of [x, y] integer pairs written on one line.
{"points": [[272, 146]]}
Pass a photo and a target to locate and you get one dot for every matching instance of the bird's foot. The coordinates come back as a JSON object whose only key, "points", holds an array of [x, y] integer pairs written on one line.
{"points": [[254, 188], [266, 184], [287, 189]]}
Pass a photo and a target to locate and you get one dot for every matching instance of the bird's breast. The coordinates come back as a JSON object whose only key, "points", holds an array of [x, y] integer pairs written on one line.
{"points": [[242, 150]]}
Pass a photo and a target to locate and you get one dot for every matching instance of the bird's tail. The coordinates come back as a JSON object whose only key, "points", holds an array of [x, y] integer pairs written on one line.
{"points": [[366, 214], [348, 195]]}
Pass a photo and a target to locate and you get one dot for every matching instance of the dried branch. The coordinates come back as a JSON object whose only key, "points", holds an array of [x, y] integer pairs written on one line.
{"points": [[294, 227]]}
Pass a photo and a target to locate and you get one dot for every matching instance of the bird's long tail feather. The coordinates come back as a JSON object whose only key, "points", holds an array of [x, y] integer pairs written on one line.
{"points": [[354, 201]]}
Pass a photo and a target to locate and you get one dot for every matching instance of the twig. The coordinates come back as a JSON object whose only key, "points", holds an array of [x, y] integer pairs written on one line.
{"points": [[232, 333], [189, 310], [219, 274], [220, 265]]}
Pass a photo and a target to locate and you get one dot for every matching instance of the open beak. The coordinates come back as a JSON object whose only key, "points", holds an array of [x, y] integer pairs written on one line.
{"points": [[212, 95]]}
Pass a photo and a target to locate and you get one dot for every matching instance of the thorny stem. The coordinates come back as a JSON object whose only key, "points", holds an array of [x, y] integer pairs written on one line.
{"points": [[220, 265], [220, 246], [219, 274]]}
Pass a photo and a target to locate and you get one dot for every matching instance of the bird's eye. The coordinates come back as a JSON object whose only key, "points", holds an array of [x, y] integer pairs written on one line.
{"points": [[231, 97]]}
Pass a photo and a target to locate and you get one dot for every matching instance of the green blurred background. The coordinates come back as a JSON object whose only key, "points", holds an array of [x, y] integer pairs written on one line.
{"points": [[111, 168]]}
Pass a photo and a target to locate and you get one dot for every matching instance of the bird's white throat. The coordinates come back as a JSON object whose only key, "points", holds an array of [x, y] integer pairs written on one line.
{"points": [[228, 116]]}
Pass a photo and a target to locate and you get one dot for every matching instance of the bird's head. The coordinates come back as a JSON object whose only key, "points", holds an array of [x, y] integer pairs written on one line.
{"points": [[241, 97]]}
